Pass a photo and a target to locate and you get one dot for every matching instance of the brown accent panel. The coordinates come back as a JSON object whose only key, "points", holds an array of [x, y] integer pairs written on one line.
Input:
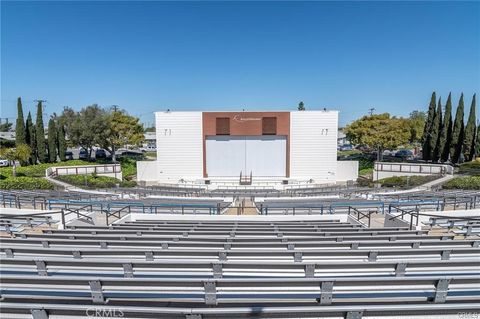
{"points": [[223, 126], [269, 126], [247, 124]]}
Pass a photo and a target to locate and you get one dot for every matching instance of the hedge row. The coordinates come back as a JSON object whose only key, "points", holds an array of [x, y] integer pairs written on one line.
{"points": [[22, 182], [89, 181], [470, 168], [467, 182], [406, 181]]}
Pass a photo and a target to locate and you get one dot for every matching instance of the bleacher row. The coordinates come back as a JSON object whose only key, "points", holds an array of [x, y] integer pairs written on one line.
{"points": [[296, 268]]}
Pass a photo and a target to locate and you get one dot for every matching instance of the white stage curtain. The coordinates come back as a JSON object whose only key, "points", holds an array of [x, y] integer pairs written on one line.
{"points": [[265, 155]]}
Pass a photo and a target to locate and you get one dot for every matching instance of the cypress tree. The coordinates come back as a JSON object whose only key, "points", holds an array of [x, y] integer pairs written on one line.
{"points": [[435, 135], [20, 127], [52, 141], [62, 144], [470, 130], [446, 134], [457, 133], [426, 151], [40, 135], [477, 143], [30, 138]]}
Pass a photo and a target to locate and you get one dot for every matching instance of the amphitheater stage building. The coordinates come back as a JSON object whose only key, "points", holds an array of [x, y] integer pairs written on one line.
{"points": [[246, 148]]}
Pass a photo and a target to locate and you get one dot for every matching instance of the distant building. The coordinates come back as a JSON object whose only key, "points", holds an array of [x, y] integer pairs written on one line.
{"points": [[150, 143], [342, 138], [9, 136]]}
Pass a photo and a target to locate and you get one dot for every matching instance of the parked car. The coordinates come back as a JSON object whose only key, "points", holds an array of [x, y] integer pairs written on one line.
{"points": [[346, 147], [4, 163], [131, 154], [83, 154], [100, 154], [68, 156], [404, 154]]}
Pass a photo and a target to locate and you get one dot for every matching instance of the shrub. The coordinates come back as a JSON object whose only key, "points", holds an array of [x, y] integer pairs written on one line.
{"points": [[406, 181], [470, 168], [466, 182], [127, 183], [23, 182], [129, 167], [91, 181]]}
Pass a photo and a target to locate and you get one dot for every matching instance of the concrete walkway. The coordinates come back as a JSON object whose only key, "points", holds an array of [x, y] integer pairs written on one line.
{"points": [[438, 181], [248, 209], [69, 187]]}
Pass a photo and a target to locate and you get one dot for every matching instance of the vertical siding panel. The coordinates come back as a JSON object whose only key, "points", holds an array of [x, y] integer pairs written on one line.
{"points": [[179, 145], [313, 154]]}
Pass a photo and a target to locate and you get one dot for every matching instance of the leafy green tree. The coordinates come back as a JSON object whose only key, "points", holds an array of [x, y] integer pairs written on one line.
{"points": [[40, 135], [62, 143], [52, 141], [457, 133], [30, 138], [435, 135], [68, 118], [470, 130], [87, 127], [379, 131], [446, 133], [20, 127], [426, 151], [301, 106], [123, 130], [20, 153], [5, 127], [416, 122]]}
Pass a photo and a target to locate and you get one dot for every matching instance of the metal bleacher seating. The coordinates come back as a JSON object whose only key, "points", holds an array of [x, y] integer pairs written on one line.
{"points": [[238, 269]]}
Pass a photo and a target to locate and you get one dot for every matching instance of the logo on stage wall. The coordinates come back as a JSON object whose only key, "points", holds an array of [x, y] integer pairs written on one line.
{"points": [[238, 118]]}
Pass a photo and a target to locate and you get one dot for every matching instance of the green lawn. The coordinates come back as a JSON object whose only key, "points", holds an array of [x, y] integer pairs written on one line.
{"points": [[151, 154], [32, 177], [39, 169]]}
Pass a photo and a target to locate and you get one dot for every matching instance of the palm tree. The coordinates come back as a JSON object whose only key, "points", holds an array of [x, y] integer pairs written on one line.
{"points": [[21, 153]]}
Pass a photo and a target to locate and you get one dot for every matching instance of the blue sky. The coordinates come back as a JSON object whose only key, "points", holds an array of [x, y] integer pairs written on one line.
{"points": [[148, 56]]}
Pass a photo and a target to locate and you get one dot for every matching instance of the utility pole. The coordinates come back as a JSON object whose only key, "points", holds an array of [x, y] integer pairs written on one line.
{"points": [[370, 110], [114, 158]]}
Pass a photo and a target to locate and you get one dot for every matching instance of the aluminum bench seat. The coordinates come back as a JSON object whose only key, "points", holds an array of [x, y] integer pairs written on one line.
{"points": [[210, 228], [318, 232], [140, 239], [93, 241], [297, 255], [246, 291], [26, 308], [179, 268]]}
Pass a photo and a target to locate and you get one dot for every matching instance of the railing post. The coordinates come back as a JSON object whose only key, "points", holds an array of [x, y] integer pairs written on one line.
{"points": [[63, 218]]}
